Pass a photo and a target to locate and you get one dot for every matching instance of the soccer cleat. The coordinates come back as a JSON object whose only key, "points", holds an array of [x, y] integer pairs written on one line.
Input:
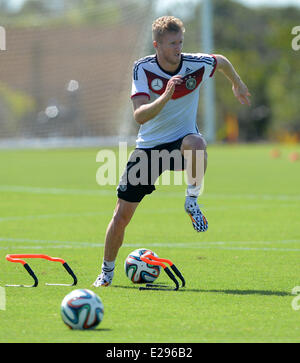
{"points": [[104, 279], [192, 208]]}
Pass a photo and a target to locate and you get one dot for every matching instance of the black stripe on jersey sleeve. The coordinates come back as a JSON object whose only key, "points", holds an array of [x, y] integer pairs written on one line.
{"points": [[200, 61], [138, 63], [207, 60]]}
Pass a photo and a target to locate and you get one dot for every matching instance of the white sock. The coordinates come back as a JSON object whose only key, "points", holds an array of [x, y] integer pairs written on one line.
{"points": [[108, 266], [193, 191]]}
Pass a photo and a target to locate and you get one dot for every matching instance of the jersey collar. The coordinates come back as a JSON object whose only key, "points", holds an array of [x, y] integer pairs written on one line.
{"points": [[171, 73]]}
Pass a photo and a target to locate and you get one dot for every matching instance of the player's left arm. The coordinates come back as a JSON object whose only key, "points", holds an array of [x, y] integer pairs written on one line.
{"points": [[240, 90]]}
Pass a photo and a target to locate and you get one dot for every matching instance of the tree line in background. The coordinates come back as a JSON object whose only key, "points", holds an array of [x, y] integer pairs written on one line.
{"points": [[256, 40], [259, 44]]}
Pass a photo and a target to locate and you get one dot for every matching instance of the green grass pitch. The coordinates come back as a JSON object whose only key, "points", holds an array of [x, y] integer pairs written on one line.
{"points": [[239, 274]]}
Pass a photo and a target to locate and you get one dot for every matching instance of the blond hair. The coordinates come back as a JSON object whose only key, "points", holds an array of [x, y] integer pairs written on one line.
{"points": [[166, 24]]}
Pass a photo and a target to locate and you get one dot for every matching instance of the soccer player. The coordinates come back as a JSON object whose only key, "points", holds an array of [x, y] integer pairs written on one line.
{"points": [[165, 94]]}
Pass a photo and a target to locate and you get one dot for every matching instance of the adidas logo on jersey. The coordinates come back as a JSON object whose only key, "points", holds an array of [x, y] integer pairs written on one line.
{"points": [[188, 70]]}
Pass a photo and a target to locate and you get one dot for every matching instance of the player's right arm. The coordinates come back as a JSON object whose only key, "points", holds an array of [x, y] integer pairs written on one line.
{"points": [[143, 110], [239, 88]]}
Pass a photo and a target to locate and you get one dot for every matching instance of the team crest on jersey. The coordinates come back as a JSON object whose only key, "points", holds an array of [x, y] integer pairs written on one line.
{"points": [[190, 83], [157, 84]]}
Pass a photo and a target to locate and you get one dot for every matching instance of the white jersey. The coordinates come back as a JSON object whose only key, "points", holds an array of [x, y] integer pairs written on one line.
{"points": [[179, 115]]}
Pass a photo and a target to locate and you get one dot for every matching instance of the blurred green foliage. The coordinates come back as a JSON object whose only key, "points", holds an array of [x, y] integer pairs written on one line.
{"points": [[258, 43], [62, 12], [14, 107]]}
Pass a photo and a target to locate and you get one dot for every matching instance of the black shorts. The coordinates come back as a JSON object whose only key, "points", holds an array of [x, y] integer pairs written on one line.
{"points": [[145, 166]]}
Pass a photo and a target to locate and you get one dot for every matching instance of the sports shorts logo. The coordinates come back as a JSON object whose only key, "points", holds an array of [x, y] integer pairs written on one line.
{"points": [[157, 84], [123, 187], [190, 83]]}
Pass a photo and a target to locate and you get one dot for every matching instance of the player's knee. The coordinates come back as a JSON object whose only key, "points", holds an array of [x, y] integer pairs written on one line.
{"points": [[194, 142]]}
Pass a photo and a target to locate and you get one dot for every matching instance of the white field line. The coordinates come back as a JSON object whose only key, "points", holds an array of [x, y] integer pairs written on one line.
{"points": [[58, 191], [218, 245], [57, 215], [101, 192], [143, 211]]}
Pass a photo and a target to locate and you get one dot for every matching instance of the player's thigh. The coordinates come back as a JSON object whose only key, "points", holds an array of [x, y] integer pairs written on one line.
{"points": [[124, 211]]}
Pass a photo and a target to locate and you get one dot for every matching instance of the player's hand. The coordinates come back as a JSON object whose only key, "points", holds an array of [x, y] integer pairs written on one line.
{"points": [[241, 92], [170, 88]]}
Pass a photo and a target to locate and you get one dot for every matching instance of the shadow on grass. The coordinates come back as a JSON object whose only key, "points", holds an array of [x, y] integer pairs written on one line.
{"points": [[244, 292], [95, 330], [230, 292], [100, 330]]}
